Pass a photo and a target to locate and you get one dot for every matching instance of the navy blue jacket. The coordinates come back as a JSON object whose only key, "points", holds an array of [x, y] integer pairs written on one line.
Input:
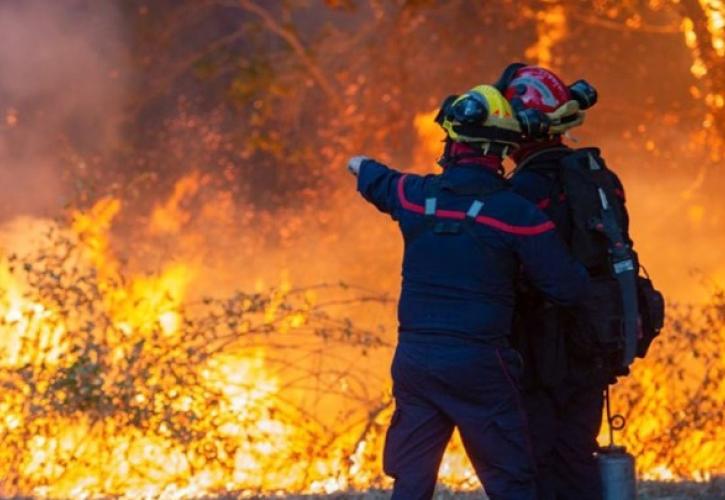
{"points": [[537, 181], [463, 285]]}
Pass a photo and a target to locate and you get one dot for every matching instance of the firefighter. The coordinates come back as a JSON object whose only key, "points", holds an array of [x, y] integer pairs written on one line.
{"points": [[466, 236], [567, 370]]}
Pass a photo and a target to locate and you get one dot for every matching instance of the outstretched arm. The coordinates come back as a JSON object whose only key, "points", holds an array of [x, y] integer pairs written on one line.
{"points": [[376, 183]]}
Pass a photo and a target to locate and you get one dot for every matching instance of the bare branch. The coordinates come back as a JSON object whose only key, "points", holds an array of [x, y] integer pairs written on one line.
{"points": [[296, 45]]}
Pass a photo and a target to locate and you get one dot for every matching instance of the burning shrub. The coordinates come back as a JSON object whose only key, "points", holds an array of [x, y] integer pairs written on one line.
{"points": [[111, 386], [674, 399], [117, 383]]}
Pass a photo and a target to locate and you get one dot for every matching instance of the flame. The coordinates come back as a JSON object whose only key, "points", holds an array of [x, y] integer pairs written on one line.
{"points": [[707, 55], [77, 454], [674, 428], [551, 29], [431, 136], [715, 12], [122, 378], [126, 383], [171, 216], [114, 387]]}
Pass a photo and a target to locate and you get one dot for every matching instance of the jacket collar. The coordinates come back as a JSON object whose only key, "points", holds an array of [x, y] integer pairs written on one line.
{"points": [[467, 179], [551, 154]]}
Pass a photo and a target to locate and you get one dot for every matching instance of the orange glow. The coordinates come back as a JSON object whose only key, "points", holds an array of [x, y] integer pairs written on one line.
{"points": [[184, 357], [431, 135], [114, 386], [714, 12], [128, 382], [550, 29], [170, 216]]}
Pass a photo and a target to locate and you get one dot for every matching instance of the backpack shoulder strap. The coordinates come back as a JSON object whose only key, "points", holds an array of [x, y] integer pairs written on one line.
{"points": [[587, 166], [531, 164], [586, 158], [591, 191], [548, 171]]}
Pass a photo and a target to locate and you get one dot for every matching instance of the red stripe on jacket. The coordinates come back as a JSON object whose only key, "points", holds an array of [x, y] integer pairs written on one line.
{"points": [[481, 219]]}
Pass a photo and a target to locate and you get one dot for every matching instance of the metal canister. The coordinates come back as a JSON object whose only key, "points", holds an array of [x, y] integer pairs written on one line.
{"points": [[616, 468]]}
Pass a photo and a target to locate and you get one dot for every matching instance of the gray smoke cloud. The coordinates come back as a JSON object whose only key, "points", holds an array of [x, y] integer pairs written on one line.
{"points": [[61, 89]]}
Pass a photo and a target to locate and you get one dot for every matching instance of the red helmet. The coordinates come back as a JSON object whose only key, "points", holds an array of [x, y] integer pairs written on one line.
{"points": [[537, 88], [544, 105]]}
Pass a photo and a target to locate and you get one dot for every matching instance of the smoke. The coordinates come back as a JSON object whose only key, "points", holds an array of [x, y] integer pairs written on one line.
{"points": [[61, 90]]}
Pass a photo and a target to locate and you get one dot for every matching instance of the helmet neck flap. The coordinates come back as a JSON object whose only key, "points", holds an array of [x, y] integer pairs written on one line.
{"points": [[461, 153]]}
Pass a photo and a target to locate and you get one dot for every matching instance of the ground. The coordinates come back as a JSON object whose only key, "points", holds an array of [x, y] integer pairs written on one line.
{"points": [[648, 490]]}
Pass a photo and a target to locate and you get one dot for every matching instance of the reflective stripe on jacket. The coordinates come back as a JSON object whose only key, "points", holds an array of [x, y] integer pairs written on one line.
{"points": [[461, 284]]}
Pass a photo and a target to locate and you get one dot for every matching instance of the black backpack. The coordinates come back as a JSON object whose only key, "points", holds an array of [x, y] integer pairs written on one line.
{"points": [[623, 312]]}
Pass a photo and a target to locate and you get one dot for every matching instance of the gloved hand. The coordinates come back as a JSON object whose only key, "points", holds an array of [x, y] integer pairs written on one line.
{"points": [[353, 165]]}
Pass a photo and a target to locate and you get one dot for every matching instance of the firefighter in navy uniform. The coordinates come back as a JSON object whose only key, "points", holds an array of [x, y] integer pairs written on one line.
{"points": [[566, 370], [466, 238]]}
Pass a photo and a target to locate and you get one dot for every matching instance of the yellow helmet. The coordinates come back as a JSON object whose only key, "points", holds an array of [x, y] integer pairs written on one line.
{"points": [[482, 115]]}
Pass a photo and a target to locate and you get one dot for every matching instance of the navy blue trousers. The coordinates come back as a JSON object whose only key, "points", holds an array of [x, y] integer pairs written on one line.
{"points": [[475, 388], [564, 424]]}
